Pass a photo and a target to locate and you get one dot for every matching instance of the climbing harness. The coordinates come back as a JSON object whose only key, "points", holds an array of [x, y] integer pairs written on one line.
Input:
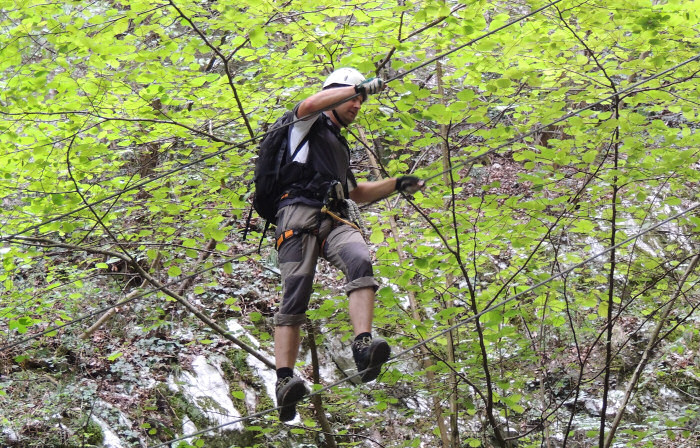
{"points": [[353, 222], [336, 206], [290, 233]]}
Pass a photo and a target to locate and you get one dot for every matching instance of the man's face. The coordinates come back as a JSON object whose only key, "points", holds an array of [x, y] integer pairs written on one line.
{"points": [[348, 110]]}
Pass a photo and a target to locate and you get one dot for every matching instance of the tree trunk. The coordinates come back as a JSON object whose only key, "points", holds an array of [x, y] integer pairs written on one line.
{"points": [[454, 410], [317, 400]]}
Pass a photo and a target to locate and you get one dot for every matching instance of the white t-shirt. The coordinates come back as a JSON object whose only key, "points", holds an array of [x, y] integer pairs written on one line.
{"points": [[297, 133]]}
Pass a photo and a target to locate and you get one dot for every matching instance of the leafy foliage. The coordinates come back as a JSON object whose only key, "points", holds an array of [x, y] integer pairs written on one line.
{"points": [[127, 133]]}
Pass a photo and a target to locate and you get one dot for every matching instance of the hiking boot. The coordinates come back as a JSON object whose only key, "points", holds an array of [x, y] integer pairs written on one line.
{"points": [[289, 390], [369, 356]]}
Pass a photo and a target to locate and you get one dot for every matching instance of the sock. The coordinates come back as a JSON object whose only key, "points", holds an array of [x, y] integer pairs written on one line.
{"points": [[284, 372], [363, 335]]}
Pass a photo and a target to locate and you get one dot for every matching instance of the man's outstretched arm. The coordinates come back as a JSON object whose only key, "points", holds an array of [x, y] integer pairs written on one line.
{"points": [[329, 97], [324, 99], [372, 191]]}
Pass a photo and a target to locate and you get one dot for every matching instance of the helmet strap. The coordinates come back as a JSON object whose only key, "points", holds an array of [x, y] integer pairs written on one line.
{"points": [[337, 117]]}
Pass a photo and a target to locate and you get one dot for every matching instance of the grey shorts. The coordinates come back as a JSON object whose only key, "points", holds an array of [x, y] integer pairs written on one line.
{"points": [[342, 245]]}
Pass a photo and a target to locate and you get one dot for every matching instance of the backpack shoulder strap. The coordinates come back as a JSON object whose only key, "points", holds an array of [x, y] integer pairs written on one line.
{"points": [[299, 146], [262, 238]]}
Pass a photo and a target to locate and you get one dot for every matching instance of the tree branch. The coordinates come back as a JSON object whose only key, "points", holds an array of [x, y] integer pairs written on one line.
{"points": [[227, 69], [632, 383], [184, 302]]}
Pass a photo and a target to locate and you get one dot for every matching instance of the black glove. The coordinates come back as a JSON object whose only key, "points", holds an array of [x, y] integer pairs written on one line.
{"points": [[369, 86], [409, 184]]}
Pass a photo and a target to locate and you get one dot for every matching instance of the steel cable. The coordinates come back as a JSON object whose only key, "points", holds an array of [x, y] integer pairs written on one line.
{"points": [[558, 120]]}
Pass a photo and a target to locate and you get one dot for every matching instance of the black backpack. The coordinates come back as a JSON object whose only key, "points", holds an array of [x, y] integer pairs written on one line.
{"points": [[271, 157], [273, 173]]}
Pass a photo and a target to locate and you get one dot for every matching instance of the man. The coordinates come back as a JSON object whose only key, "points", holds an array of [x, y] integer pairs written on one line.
{"points": [[312, 222]]}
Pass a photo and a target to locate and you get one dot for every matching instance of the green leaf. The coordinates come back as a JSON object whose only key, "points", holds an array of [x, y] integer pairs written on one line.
{"points": [[377, 236], [114, 356], [465, 95], [503, 83], [257, 37], [407, 121], [217, 234]]}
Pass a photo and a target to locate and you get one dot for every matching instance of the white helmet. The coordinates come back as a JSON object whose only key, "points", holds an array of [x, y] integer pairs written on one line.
{"points": [[345, 77]]}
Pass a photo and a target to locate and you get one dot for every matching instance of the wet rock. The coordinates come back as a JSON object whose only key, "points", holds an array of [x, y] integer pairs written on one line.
{"points": [[206, 388], [109, 437], [342, 357], [9, 436], [576, 402], [593, 406], [114, 423], [188, 427], [670, 399]]}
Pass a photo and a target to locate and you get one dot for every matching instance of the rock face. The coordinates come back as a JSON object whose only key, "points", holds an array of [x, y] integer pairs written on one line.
{"points": [[9, 435], [218, 383], [207, 389], [109, 438]]}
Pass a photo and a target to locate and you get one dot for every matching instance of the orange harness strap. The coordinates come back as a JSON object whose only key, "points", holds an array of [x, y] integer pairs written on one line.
{"points": [[287, 234]]}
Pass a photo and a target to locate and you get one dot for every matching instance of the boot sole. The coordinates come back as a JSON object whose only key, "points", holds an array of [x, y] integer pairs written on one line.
{"points": [[378, 356], [289, 402]]}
